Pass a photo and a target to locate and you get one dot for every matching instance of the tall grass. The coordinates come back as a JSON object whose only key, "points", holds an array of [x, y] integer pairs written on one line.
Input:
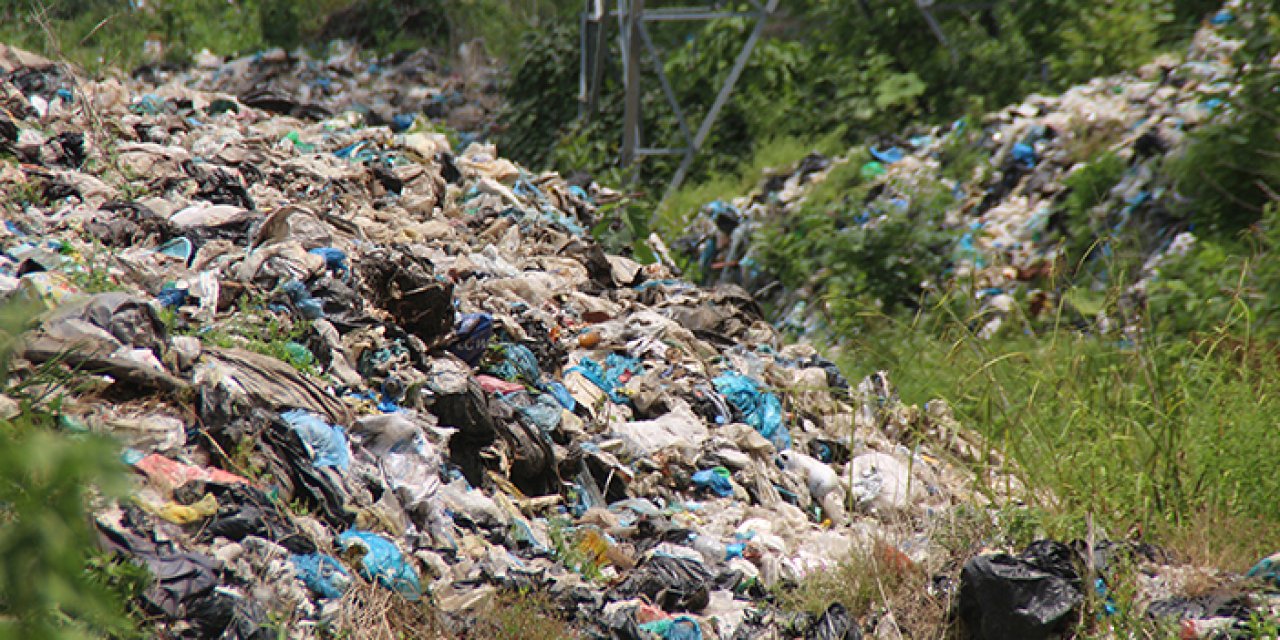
{"points": [[1159, 437], [777, 153]]}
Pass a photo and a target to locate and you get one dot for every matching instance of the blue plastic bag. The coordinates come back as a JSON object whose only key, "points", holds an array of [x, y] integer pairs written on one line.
{"points": [[760, 409], [384, 563], [888, 156], [1267, 569], [609, 377], [562, 395], [1024, 154], [334, 259], [322, 574], [309, 307], [544, 412], [677, 628], [328, 444], [519, 364], [171, 296], [714, 480]]}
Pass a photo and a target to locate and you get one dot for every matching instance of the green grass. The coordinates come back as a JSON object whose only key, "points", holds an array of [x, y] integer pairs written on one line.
{"points": [[680, 207], [1155, 436]]}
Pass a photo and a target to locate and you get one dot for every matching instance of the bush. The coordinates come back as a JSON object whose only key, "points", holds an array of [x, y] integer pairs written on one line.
{"points": [[1081, 226], [1231, 169], [859, 252]]}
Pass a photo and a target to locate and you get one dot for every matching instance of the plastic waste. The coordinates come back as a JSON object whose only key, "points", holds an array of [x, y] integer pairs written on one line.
{"points": [[760, 409], [616, 371], [1032, 595], [518, 363], [675, 584], [472, 332], [834, 624], [887, 156], [382, 561], [309, 307], [872, 170], [1267, 569], [1024, 154], [323, 574], [715, 480], [675, 628], [334, 259], [189, 513], [327, 443]]}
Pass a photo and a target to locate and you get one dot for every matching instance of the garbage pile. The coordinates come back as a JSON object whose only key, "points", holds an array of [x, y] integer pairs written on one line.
{"points": [[392, 90], [1009, 217], [347, 363]]}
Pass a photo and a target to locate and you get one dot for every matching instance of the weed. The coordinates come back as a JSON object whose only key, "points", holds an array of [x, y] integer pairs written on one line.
{"points": [[1088, 186], [258, 329], [873, 578], [522, 615]]}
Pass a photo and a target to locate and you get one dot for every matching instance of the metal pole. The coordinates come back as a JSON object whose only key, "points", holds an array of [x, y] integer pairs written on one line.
{"points": [[600, 42], [721, 98], [631, 81]]}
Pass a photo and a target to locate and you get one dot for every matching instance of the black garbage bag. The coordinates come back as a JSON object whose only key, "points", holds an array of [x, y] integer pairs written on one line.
{"points": [[180, 578], [247, 511], [675, 584], [1033, 595], [533, 461], [835, 624], [453, 396], [228, 616], [219, 185], [1205, 606]]}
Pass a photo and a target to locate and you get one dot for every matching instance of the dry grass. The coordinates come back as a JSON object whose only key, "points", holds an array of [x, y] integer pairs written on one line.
{"points": [[371, 612], [874, 583], [1206, 543]]}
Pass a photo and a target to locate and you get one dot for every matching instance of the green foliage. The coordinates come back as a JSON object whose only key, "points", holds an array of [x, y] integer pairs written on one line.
{"points": [[1119, 34], [1087, 187], [540, 102], [1219, 283], [264, 332], [1231, 170], [48, 589], [1151, 433], [44, 487], [102, 33], [859, 253], [774, 153], [523, 615]]}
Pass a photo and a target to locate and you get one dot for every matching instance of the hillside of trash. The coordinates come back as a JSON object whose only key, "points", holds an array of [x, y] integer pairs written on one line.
{"points": [[356, 364]]}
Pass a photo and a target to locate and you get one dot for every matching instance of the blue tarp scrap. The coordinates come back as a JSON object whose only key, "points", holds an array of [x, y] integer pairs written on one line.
{"points": [[384, 562], [328, 443], [323, 574], [760, 409]]}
